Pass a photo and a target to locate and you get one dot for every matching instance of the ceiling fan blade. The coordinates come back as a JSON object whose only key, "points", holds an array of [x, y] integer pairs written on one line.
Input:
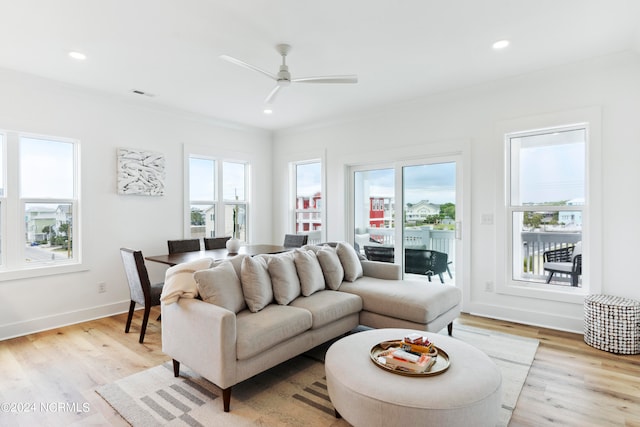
{"points": [[327, 79], [249, 66], [272, 95]]}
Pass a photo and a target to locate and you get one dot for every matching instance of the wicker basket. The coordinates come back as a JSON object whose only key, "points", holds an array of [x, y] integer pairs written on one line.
{"points": [[612, 324]]}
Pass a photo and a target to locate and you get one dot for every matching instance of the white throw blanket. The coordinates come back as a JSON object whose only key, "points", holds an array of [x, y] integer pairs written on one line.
{"points": [[179, 281]]}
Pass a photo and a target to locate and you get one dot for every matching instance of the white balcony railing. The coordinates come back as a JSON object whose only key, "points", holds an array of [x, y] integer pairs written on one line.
{"points": [[534, 244], [424, 237]]}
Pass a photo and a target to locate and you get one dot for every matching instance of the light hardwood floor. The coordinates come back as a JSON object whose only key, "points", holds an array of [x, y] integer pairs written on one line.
{"points": [[570, 383]]}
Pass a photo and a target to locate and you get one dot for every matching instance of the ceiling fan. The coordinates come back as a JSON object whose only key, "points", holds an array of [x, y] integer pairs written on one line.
{"points": [[283, 77]]}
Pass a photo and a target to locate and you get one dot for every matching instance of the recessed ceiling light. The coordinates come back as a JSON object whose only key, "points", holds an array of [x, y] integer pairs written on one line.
{"points": [[78, 55], [267, 111], [500, 44]]}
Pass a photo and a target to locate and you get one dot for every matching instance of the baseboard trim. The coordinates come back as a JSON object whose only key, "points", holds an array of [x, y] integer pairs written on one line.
{"points": [[527, 317], [18, 329]]}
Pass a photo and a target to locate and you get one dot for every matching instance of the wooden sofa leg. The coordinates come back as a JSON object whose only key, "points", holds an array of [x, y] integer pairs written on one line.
{"points": [[226, 398], [450, 328], [176, 368]]}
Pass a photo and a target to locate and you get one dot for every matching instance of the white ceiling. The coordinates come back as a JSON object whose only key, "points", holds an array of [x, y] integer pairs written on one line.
{"points": [[400, 50]]}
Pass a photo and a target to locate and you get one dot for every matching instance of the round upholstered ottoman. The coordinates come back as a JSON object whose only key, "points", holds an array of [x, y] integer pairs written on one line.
{"points": [[612, 323], [469, 393]]}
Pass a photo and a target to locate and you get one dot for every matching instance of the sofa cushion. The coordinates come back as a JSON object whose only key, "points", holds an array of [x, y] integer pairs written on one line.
{"points": [[235, 260], [328, 306], [350, 261], [284, 278], [220, 286], [258, 332], [413, 300], [309, 272], [331, 267], [256, 283], [179, 281]]}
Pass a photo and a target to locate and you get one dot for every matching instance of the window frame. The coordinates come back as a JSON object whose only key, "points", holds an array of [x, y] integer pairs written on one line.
{"points": [[591, 118], [13, 210], [521, 208]]}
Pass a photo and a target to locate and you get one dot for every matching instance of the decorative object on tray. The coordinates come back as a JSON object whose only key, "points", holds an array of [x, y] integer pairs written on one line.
{"points": [[414, 355], [140, 172]]}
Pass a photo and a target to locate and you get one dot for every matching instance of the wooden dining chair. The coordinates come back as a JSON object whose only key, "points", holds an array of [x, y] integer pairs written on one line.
{"points": [[185, 245], [295, 240], [215, 242], [141, 290]]}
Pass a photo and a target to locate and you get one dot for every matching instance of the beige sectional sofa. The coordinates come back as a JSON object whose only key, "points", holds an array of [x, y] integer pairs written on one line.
{"points": [[257, 312]]}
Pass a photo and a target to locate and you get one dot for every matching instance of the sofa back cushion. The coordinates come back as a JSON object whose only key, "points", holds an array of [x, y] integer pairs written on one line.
{"points": [[235, 260], [284, 278], [350, 261], [256, 283], [220, 286], [309, 272], [331, 267]]}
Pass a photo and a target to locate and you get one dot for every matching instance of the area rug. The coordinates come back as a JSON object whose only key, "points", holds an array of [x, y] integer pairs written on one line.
{"points": [[291, 394]]}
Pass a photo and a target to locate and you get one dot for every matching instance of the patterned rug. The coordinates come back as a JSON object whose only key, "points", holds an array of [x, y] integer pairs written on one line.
{"points": [[291, 394]]}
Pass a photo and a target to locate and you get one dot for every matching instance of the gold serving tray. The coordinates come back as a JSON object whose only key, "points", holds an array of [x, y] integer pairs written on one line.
{"points": [[441, 365]]}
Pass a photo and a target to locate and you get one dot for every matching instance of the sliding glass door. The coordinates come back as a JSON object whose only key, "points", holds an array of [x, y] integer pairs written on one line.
{"points": [[405, 213]]}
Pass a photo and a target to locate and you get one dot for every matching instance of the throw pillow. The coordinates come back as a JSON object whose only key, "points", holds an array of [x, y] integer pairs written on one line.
{"points": [[220, 286], [309, 272], [256, 283], [331, 267], [314, 248], [235, 260], [284, 278], [179, 281], [350, 261]]}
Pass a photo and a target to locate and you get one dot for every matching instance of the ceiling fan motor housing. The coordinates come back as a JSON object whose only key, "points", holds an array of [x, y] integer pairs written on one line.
{"points": [[284, 77]]}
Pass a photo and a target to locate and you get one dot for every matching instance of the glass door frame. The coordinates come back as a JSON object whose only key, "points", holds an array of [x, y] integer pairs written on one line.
{"points": [[462, 206]]}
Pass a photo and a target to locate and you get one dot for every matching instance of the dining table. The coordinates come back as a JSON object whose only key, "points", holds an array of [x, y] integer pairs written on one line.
{"points": [[216, 254]]}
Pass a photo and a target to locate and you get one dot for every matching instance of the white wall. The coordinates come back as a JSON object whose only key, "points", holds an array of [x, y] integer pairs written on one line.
{"points": [[472, 114], [103, 123]]}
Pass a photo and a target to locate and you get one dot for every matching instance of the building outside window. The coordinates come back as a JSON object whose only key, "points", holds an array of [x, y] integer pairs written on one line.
{"points": [[308, 211]]}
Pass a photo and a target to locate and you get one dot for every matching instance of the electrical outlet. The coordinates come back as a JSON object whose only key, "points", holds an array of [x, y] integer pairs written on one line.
{"points": [[102, 287], [488, 286]]}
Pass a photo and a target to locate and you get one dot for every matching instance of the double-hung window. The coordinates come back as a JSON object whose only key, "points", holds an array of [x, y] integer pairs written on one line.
{"points": [[546, 202], [39, 198], [218, 197]]}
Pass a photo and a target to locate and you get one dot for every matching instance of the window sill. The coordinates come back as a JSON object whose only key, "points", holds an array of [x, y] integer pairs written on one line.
{"points": [[544, 291], [44, 270]]}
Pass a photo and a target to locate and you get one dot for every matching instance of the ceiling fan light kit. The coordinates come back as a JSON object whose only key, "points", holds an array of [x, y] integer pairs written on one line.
{"points": [[283, 77]]}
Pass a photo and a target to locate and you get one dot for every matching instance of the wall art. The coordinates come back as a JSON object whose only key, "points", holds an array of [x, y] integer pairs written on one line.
{"points": [[140, 172]]}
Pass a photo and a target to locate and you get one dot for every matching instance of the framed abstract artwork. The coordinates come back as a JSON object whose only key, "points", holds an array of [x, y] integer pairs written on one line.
{"points": [[140, 172]]}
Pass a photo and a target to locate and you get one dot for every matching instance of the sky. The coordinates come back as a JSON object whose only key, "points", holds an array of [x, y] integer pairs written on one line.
{"points": [[42, 158], [432, 182], [202, 177], [552, 167]]}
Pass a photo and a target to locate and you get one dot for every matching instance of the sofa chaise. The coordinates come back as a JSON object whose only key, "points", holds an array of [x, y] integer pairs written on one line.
{"points": [[253, 313]]}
